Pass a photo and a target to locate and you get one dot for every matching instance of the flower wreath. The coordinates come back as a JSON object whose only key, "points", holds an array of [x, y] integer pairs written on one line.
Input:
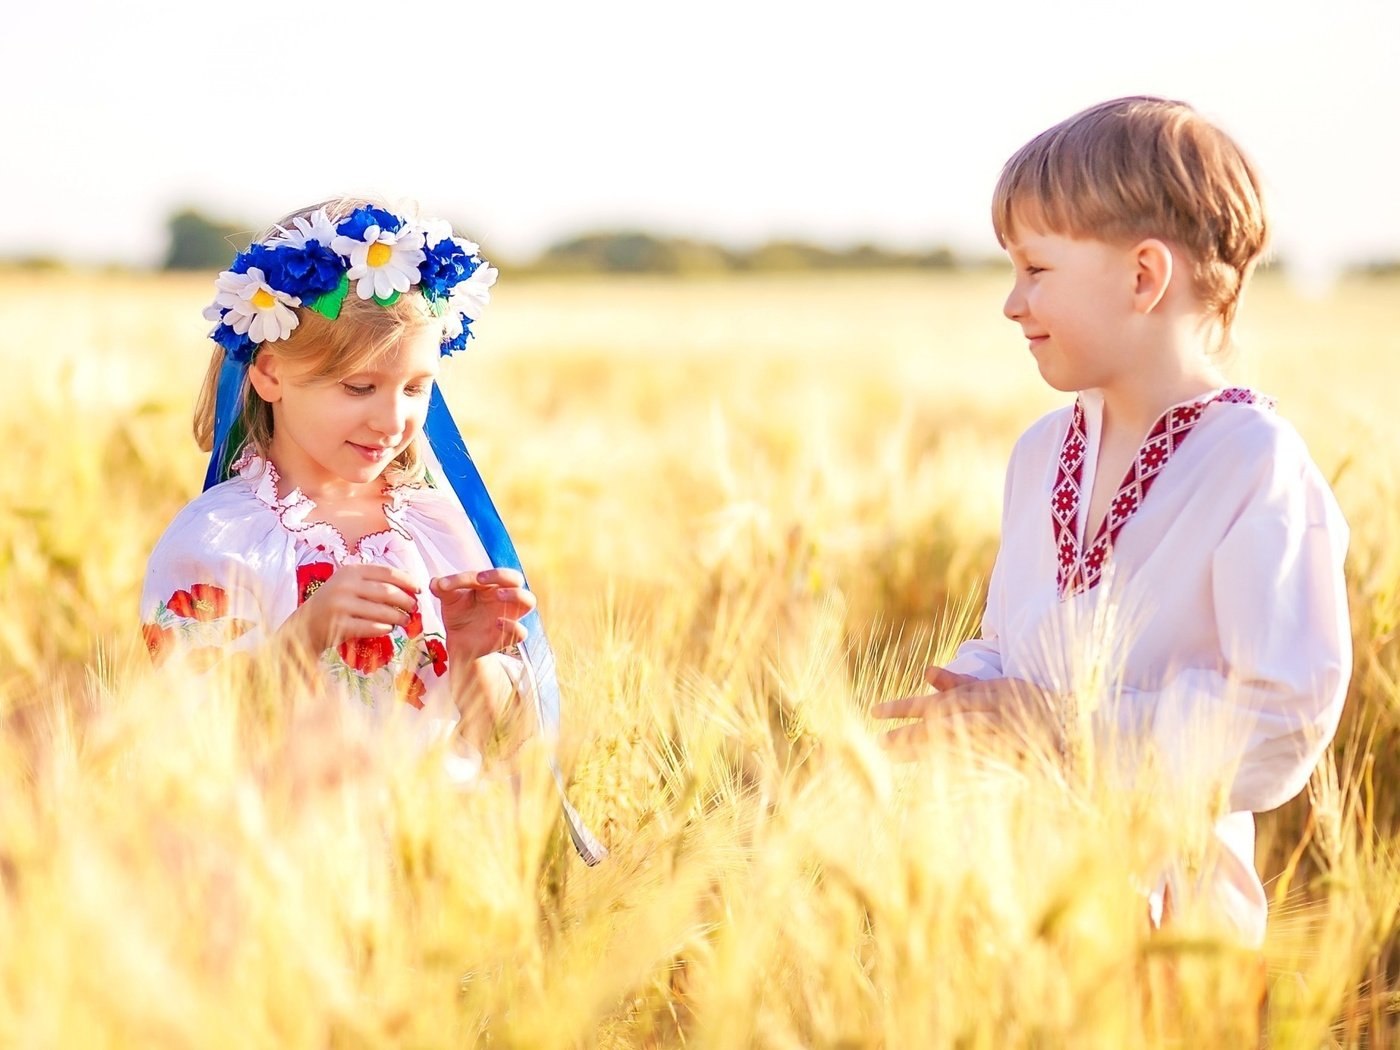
{"points": [[313, 263]]}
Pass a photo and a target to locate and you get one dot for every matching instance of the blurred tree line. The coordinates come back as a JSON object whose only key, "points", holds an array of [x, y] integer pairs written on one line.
{"points": [[195, 241]]}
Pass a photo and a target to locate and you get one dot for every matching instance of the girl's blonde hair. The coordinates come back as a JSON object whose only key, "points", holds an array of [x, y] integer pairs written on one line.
{"points": [[1143, 167], [363, 333]]}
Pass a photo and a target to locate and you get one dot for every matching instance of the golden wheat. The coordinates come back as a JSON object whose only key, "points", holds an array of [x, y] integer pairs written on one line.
{"points": [[750, 507]]}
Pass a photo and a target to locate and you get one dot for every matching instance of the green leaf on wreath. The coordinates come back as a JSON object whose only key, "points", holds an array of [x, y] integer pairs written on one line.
{"points": [[328, 303]]}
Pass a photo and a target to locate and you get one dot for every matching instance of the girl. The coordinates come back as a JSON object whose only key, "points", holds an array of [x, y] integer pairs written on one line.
{"points": [[342, 515], [1166, 533]]}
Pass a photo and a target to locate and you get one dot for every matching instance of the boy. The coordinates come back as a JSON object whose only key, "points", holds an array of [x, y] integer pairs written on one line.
{"points": [[1185, 509]]}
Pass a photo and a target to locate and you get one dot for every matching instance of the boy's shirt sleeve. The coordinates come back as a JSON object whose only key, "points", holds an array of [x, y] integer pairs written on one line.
{"points": [[980, 657], [1257, 728]]}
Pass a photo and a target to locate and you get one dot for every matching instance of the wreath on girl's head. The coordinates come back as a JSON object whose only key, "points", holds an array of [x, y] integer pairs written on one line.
{"points": [[314, 263]]}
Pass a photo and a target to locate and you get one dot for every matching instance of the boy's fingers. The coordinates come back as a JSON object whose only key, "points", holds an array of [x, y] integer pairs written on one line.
{"points": [[906, 741], [906, 707], [941, 678], [912, 740], [940, 705]]}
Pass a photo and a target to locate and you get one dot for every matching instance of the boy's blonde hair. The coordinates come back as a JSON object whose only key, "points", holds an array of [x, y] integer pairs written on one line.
{"points": [[362, 333], [1143, 167]]}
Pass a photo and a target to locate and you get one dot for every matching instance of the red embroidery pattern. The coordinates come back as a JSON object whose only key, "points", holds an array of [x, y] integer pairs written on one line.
{"points": [[1079, 570]]}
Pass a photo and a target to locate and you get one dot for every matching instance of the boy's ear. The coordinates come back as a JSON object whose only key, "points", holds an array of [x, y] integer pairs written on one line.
{"points": [[1152, 274], [264, 374]]}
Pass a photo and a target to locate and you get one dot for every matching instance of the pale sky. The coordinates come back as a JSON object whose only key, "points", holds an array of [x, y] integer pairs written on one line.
{"points": [[727, 120]]}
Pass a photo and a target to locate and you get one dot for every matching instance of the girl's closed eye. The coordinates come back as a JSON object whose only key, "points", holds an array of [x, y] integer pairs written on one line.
{"points": [[358, 390]]}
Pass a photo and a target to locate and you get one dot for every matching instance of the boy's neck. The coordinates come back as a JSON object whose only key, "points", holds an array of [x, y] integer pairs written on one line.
{"points": [[1179, 367]]}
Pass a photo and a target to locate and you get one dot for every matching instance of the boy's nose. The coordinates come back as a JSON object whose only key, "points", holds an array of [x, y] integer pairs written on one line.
{"points": [[1015, 305]]}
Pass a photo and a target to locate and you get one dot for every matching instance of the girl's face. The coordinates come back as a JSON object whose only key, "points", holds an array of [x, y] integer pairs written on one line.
{"points": [[332, 435]]}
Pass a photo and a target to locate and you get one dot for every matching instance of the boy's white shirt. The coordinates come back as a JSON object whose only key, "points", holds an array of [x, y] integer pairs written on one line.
{"points": [[1220, 637]]}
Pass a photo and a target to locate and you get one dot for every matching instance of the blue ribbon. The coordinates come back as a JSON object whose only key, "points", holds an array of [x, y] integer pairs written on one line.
{"points": [[461, 474], [228, 407]]}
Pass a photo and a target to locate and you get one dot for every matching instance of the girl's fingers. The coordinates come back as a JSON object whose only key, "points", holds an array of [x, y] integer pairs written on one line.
{"points": [[388, 595], [513, 631], [477, 580], [516, 598], [363, 627], [379, 613], [384, 574], [500, 578]]}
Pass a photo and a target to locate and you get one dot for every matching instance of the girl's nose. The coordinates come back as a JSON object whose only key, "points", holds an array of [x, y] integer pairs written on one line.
{"points": [[391, 415]]}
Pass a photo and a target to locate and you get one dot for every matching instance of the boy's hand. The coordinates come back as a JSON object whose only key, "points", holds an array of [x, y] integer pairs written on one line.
{"points": [[358, 601], [481, 611], [1001, 707]]}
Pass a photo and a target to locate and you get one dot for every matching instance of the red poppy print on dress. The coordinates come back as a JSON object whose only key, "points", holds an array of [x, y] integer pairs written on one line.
{"points": [[410, 689], [437, 652], [158, 641], [310, 577], [367, 655], [202, 602]]}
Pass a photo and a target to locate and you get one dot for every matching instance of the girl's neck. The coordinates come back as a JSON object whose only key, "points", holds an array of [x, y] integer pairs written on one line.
{"points": [[317, 485]]}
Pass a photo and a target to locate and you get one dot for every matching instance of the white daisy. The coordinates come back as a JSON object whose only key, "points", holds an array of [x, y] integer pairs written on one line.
{"points": [[435, 231], [383, 262], [316, 228], [254, 308], [451, 325], [471, 296]]}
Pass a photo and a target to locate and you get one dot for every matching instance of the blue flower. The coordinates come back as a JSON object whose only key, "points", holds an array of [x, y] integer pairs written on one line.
{"points": [[244, 260], [264, 258], [362, 219], [446, 265], [238, 347], [451, 346], [306, 272]]}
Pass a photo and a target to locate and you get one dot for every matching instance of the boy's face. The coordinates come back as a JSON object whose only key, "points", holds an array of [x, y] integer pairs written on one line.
{"points": [[1073, 300]]}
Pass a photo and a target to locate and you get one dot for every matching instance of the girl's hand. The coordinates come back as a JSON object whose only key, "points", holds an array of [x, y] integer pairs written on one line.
{"points": [[481, 611], [358, 601], [1008, 708]]}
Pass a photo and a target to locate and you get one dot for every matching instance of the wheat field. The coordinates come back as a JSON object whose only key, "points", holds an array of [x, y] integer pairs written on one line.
{"points": [[750, 508]]}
